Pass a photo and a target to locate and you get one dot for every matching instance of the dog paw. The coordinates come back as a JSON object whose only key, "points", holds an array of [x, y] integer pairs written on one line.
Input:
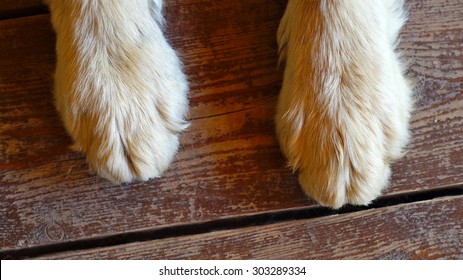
{"points": [[344, 107], [119, 86]]}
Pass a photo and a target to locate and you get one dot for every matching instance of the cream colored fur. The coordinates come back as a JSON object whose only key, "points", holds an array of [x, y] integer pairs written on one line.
{"points": [[119, 86], [344, 106], [342, 115]]}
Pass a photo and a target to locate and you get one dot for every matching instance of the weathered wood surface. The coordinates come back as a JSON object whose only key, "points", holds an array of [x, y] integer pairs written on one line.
{"points": [[432, 44], [230, 164], [423, 230]]}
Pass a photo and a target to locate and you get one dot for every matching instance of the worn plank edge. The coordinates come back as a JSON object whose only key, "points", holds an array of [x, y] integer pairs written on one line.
{"points": [[229, 223], [428, 229]]}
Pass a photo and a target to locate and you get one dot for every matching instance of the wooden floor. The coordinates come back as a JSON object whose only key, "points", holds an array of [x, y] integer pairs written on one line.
{"points": [[228, 194]]}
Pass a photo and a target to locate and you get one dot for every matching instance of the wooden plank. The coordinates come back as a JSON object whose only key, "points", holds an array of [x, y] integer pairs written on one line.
{"points": [[423, 230], [230, 164]]}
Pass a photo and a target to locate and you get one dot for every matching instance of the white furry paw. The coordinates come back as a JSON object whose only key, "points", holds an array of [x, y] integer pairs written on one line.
{"points": [[119, 86], [344, 106]]}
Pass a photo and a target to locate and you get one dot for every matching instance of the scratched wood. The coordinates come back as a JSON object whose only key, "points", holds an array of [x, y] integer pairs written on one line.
{"points": [[229, 164], [423, 230], [432, 44]]}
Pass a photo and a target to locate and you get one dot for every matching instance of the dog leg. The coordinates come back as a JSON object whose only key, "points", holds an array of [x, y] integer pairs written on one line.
{"points": [[119, 86], [344, 106]]}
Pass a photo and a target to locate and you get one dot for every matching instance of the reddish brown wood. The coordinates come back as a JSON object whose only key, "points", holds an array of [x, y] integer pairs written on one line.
{"points": [[424, 230], [230, 163]]}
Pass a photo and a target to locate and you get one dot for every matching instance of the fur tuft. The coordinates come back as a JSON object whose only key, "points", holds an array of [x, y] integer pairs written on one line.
{"points": [[119, 86], [344, 106]]}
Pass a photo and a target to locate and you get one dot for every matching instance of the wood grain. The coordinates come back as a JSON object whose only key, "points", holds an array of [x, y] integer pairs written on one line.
{"points": [[432, 44], [230, 164], [424, 230]]}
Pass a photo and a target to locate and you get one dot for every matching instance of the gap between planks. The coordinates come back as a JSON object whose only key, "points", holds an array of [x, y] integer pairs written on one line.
{"points": [[260, 219]]}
